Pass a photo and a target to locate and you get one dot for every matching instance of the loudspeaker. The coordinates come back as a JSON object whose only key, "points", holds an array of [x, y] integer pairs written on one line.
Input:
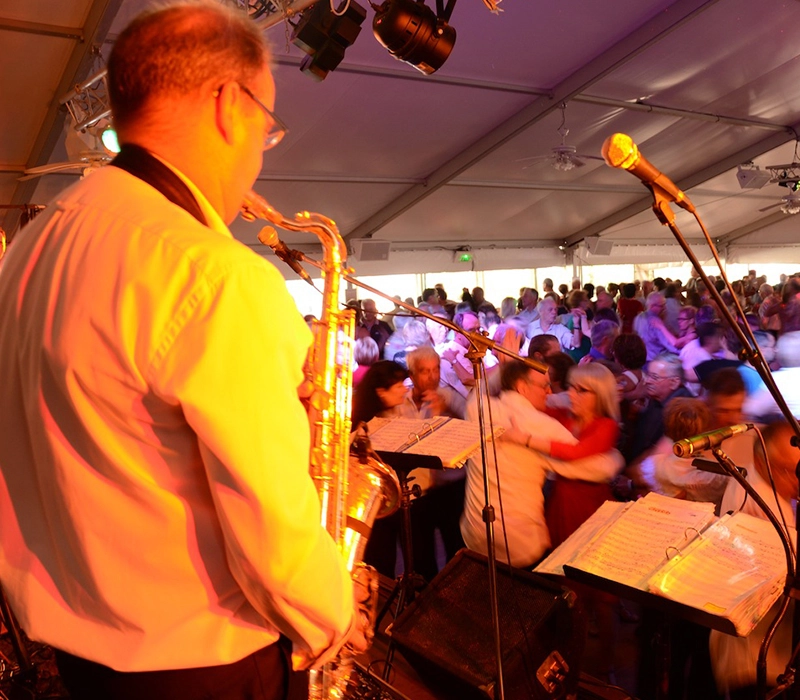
{"points": [[368, 249], [599, 246], [753, 178], [446, 634]]}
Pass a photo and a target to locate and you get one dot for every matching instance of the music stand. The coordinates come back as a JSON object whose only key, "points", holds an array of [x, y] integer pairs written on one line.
{"points": [[409, 582]]}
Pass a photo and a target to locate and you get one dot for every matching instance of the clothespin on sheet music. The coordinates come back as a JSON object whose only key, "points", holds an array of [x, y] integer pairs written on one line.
{"points": [[493, 6]]}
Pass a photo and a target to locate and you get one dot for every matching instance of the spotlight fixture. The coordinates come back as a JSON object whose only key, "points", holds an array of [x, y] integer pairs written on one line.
{"points": [[324, 34], [412, 33]]}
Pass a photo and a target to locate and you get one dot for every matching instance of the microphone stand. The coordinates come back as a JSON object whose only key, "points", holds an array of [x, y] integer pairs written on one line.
{"points": [[479, 344], [751, 352]]}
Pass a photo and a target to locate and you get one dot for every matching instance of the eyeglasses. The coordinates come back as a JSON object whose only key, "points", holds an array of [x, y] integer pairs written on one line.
{"points": [[534, 383], [278, 129], [581, 389], [655, 377]]}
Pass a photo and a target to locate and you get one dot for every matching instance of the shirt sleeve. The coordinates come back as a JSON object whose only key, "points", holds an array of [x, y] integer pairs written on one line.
{"points": [[598, 468], [598, 437], [233, 360]]}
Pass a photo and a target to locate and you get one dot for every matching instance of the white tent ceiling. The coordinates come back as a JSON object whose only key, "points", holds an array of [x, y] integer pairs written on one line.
{"points": [[433, 163]]}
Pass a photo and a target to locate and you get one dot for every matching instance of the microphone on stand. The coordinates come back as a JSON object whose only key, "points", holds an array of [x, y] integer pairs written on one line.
{"points": [[269, 236], [705, 441], [619, 151]]}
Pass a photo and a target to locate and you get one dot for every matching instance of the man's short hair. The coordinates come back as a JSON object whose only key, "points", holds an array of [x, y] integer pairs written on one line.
{"points": [[560, 363], [684, 417], [672, 363], [706, 330], [602, 331], [428, 293], [181, 50], [511, 372], [724, 382], [415, 334], [607, 315], [413, 359], [546, 301], [539, 344]]}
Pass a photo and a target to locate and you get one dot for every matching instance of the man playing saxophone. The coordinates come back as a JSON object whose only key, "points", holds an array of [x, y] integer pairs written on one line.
{"points": [[158, 525]]}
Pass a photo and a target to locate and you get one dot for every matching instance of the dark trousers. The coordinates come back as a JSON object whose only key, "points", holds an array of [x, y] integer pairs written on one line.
{"points": [[264, 675], [439, 509]]}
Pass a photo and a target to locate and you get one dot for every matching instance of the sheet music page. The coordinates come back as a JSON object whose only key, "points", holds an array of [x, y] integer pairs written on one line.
{"points": [[736, 570], [637, 544], [392, 434], [453, 442], [603, 518]]}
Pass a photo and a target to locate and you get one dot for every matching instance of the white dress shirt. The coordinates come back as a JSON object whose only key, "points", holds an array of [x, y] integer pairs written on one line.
{"points": [[156, 506]]}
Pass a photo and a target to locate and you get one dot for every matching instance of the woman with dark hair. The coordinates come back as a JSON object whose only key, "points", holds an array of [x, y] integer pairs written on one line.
{"points": [[381, 389]]}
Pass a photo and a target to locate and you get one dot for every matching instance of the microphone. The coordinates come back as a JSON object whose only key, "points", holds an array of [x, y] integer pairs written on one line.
{"points": [[705, 441], [269, 236], [619, 151]]}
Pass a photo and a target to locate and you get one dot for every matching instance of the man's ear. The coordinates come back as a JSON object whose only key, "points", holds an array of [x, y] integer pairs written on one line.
{"points": [[227, 103]]}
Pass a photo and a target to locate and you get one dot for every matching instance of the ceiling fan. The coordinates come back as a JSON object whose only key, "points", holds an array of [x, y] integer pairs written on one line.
{"points": [[563, 157], [789, 204]]}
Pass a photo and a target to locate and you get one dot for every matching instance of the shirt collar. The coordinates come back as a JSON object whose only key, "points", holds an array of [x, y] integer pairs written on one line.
{"points": [[214, 220]]}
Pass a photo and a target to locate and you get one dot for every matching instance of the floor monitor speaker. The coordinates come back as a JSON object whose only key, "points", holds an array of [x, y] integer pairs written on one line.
{"points": [[446, 634]]}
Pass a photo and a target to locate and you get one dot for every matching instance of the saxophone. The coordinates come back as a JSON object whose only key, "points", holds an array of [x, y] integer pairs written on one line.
{"points": [[352, 493]]}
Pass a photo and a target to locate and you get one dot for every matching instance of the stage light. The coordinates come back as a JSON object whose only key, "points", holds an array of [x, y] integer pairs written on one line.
{"points": [[324, 36], [412, 33], [109, 139]]}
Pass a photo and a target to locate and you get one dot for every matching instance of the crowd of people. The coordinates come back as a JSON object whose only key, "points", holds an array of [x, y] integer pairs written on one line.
{"points": [[160, 528], [631, 368]]}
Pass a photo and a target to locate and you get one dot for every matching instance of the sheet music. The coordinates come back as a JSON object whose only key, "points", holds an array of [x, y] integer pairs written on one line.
{"points": [[598, 522], [392, 434], [450, 439], [631, 550], [735, 570], [453, 442]]}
